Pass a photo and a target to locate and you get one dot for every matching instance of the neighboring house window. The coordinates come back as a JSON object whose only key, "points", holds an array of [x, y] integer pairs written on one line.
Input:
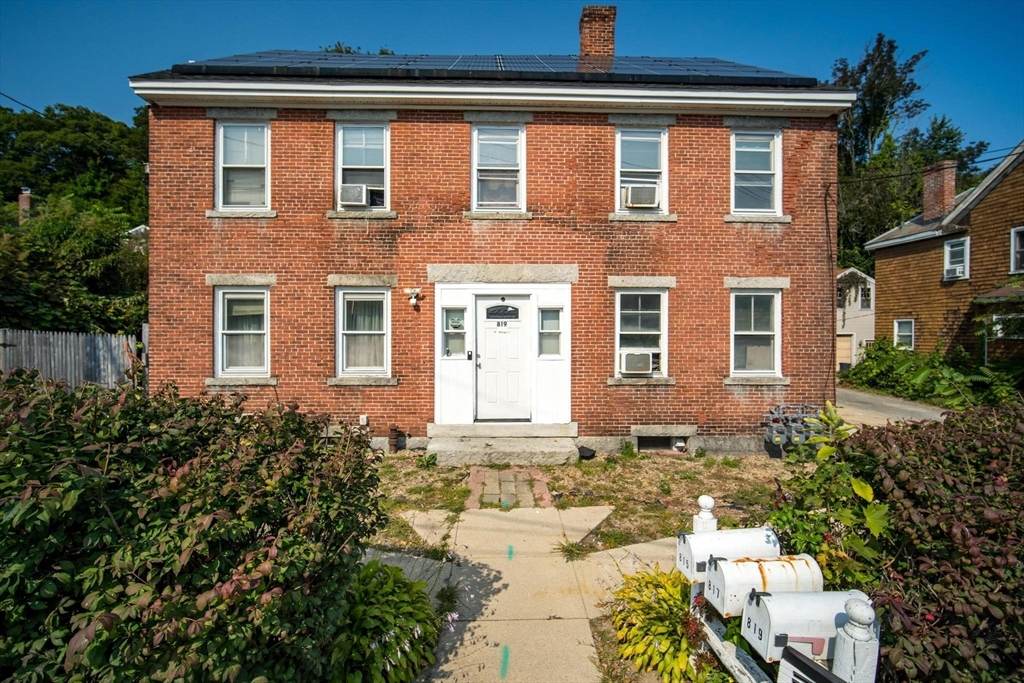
{"points": [[499, 182], [903, 333], [756, 334], [242, 332], [865, 298], [841, 295], [362, 167], [640, 332], [757, 173], [1008, 326], [243, 166], [957, 259], [550, 333], [1017, 250], [364, 344], [641, 174]]}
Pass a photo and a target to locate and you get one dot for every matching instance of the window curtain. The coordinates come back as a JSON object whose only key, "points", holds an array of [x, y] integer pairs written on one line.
{"points": [[243, 350], [364, 350]]}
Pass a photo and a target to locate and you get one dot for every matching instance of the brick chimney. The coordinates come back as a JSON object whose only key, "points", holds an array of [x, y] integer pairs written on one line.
{"points": [[24, 204], [597, 31], [939, 189]]}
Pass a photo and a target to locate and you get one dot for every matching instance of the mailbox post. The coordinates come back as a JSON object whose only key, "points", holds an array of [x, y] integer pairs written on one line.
{"points": [[856, 655]]}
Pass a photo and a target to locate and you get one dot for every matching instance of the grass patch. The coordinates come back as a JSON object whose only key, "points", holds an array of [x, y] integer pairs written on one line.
{"points": [[733, 463], [665, 486], [572, 550], [710, 462], [447, 599], [613, 668], [614, 538]]}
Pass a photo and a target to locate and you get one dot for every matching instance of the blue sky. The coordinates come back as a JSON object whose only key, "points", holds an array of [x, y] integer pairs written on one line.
{"points": [[74, 52]]}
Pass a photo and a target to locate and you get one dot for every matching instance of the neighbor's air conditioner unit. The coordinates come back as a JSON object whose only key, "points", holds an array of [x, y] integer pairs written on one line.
{"points": [[640, 196], [352, 195], [955, 272], [636, 363]]}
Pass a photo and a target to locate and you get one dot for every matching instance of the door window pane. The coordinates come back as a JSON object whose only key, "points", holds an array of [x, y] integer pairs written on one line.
{"points": [[550, 332], [454, 331]]}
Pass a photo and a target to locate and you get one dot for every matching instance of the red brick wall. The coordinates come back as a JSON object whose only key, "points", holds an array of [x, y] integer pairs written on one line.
{"points": [[570, 191]]}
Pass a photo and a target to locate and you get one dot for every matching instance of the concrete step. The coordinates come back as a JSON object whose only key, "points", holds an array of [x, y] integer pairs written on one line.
{"points": [[453, 452]]}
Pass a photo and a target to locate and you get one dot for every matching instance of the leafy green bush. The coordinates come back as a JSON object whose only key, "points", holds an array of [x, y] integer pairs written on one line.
{"points": [[949, 380], [169, 538], [656, 628], [942, 557], [388, 630]]}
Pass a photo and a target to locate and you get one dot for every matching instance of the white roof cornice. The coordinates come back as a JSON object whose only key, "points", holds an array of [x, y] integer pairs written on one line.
{"points": [[312, 95]]}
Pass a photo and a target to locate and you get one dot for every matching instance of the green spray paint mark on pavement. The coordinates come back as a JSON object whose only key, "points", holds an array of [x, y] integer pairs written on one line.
{"points": [[504, 657], [511, 552]]}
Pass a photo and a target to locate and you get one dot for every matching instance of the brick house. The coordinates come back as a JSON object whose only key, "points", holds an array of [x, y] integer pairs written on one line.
{"points": [[579, 247], [954, 275]]}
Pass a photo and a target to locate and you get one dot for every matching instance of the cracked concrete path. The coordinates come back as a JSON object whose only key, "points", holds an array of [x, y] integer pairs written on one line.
{"points": [[523, 613], [864, 408]]}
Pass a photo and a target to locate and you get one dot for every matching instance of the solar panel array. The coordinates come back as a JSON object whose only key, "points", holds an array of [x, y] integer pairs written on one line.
{"points": [[505, 67]]}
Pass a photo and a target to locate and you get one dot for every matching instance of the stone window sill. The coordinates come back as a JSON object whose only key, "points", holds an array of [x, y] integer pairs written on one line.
{"points": [[754, 218], [497, 215], [241, 381], [755, 381], [644, 217], [241, 214], [362, 381], [371, 215], [640, 381]]}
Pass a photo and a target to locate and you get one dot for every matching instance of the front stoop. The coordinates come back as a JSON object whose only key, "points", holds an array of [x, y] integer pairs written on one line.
{"points": [[453, 452]]}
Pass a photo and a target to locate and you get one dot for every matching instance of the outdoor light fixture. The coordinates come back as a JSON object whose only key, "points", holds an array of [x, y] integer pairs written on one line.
{"points": [[414, 295]]}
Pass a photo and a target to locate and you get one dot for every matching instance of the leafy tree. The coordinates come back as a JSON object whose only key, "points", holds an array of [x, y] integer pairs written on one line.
{"points": [[74, 150], [880, 182], [72, 267], [342, 48]]}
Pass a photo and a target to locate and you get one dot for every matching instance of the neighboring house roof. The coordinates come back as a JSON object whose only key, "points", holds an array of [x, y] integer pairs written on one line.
{"points": [[847, 271], [139, 230], [1001, 294], [917, 229]]}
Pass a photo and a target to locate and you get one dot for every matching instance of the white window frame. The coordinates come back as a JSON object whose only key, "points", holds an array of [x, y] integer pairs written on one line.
{"points": [[860, 297], [220, 295], [776, 137], [896, 333], [946, 265], [662, 184], [997, 327], [559, 332], [339, 131], [219, 160], [521, 184], [776, 333], [364, 294], [1016, 267], [663, 346]]}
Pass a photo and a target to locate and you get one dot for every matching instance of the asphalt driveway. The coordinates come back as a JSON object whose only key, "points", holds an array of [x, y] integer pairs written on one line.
{"points": [[862, 408]]}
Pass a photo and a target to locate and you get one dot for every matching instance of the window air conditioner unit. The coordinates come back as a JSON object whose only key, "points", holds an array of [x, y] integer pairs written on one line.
{"points": [[352, 195], [641, 196], [636, 363], [954, 272]]}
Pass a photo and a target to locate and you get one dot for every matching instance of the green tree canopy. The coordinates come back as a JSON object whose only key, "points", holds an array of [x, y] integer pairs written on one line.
{"points": [[341, 48], [76, 151]]}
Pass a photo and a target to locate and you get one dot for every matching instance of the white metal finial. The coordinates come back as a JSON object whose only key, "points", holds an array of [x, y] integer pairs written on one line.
{"points": [[706, 503]]}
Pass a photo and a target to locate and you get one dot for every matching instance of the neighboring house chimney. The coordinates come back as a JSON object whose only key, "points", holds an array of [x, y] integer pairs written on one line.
{"points": [[939, 189], [597, 31], [24, 204]]}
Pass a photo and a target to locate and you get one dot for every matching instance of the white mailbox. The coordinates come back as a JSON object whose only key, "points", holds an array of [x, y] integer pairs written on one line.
{"points": [[730, 581], [693, 550], [807, 622]]}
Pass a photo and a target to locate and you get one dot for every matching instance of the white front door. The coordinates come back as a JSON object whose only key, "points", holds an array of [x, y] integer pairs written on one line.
{"points": [[504, 330]]}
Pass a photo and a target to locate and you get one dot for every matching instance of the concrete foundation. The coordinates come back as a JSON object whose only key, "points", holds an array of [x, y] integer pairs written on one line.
{"points": [[539, 451]]}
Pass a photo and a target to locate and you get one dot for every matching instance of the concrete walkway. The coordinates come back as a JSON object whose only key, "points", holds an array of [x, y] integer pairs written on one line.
{"points": [[523, 614], [862, 408]]}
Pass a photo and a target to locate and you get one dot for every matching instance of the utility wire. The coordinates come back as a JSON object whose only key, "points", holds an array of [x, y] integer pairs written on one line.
{"points": [[21, 103]]}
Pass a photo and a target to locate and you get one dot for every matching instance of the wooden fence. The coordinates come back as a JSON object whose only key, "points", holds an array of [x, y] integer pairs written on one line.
{"points": [[73, 357]]}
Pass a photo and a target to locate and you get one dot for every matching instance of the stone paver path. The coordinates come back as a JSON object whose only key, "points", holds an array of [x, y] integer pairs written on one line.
{"points": [[507, 488]]}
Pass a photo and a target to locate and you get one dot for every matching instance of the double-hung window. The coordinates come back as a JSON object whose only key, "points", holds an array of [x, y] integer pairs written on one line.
{"points": [[1008, 326], [756, 334], [243, 166], [957, 259], [242, 332], [1017, 250], [903, 333], [865, 297], [364, 344], [549, 342], [757, 173], [499, 163], [640, 332], [362, 167], [641, 175]]}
